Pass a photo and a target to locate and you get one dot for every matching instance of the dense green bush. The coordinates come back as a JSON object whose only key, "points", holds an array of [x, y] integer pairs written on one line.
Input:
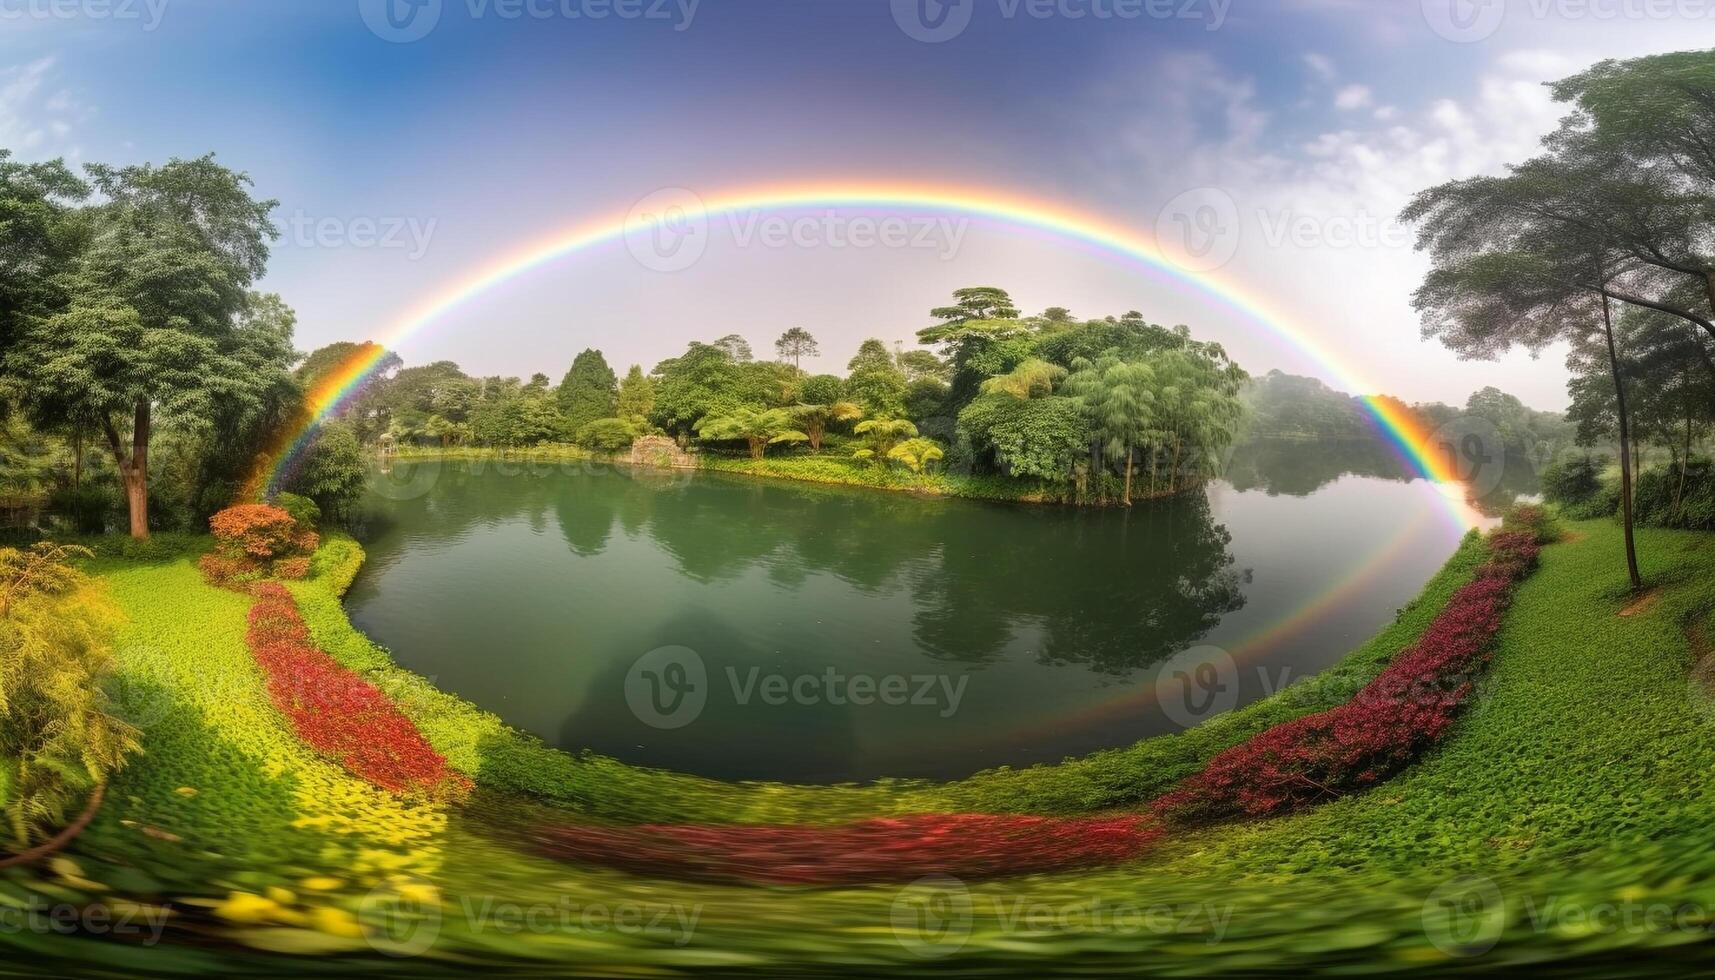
{"points": [[87, 509], [1676, 496], [1573, 479], [303, 510]]}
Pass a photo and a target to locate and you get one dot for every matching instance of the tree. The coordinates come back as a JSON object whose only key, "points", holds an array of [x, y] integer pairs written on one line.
{"points": [[876, 382], [36, 243], [1505, 272], [736, 347], [760, 428], [880, 436], [335, 471], [916, 454], [816, 418], [150, 319], [1115, 397], [589, 391], [981, 337], [794, 345], [608, 435], [636, 397]]}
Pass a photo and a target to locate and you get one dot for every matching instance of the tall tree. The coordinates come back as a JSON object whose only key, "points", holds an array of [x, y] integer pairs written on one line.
{"points": [[636, 398], [794, 345], [589, 391], [150, 320], [1116, 396], [876, 382]]}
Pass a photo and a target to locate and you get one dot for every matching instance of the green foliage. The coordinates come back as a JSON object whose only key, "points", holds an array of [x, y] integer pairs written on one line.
{"points": [[794, 345], [816, 417], [1573, 480], [608, 435], [879, 436], [335, 471], [56, 739], [1681, 496], [588, 392], [876, 382], [1042, 438], [820, 389], [916, 454], [302, 510], [759, 428], [636, 398]]}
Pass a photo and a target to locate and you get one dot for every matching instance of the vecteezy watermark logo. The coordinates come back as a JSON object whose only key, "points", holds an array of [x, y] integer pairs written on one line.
{"points": [[667, 687], [401, 918], [1198, 230], [149, 13], [932, 916], [1472, 450], [1464, 21], [409, 234], [1465, 917], [668, 230], [400, 21], [933, 21], [1196, 683]]}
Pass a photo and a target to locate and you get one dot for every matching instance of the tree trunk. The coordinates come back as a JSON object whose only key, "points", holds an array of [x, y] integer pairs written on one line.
{"points": [[77, 461], [1684, 466], [1128, 453], [134, 471], [1625, 449], [756, 447], [1173, 474]]}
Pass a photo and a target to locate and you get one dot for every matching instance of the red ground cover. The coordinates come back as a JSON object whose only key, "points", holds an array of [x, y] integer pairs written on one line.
{"points": [[338, 712]]}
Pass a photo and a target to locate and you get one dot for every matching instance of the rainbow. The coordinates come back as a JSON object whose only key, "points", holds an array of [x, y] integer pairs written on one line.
{"points": [[1399, 425]]}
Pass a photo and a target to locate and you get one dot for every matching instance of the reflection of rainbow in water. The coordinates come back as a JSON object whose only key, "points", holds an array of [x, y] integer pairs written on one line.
{"points": [[1408, 433], [1133, 700]]}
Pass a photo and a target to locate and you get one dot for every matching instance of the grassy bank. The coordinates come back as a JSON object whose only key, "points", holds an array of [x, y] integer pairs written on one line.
{"points": [[1577, 784]]}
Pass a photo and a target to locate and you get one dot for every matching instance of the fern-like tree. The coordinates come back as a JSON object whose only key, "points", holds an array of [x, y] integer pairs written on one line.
{"points": [[880, 436], [758, 427], [916, 454], [816, 418]]}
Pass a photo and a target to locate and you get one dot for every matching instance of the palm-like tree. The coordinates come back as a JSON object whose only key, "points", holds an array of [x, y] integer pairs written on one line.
{"points": [[816, 418], [881, 436], [758, 427], [916, 453]]}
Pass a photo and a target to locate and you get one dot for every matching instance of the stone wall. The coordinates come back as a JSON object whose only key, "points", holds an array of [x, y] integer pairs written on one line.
{"points": [[661, 451]]}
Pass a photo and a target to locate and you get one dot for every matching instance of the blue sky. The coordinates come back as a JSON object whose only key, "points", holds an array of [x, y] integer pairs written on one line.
{"points": [[1314, 118]]}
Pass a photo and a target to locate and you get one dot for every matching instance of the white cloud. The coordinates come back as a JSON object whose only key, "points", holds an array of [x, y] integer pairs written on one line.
{"points": [[1320, 65], [1352, 97], [35, 121]]}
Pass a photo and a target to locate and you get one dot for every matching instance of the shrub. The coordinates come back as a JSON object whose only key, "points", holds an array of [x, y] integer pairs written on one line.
{"points": [[252, 540], [608, 435], [338, 712], [56, 739], [303, 510], [1675, 496], [1573, 480], [86, 509]]}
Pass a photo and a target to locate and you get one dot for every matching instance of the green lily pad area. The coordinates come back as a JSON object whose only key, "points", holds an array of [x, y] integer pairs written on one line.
{"points": [[1566, 818]]}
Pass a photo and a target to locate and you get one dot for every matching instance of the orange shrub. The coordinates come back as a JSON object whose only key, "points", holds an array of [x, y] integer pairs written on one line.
{"points": [[253, 540]]}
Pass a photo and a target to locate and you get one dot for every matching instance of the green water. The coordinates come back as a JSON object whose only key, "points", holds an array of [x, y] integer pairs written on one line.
{"points": [[745, 628]]}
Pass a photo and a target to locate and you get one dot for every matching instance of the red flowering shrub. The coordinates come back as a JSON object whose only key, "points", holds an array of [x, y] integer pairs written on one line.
{"points": [[964, 845], [253, 540], [1408, 706], [338, 712]]}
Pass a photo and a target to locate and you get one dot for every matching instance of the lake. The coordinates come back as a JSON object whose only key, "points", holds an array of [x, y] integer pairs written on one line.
{"points": [[758, 629]]}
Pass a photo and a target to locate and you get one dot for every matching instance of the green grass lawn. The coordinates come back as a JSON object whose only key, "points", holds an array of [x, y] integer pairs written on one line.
{"points": [[1576, 789]]}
